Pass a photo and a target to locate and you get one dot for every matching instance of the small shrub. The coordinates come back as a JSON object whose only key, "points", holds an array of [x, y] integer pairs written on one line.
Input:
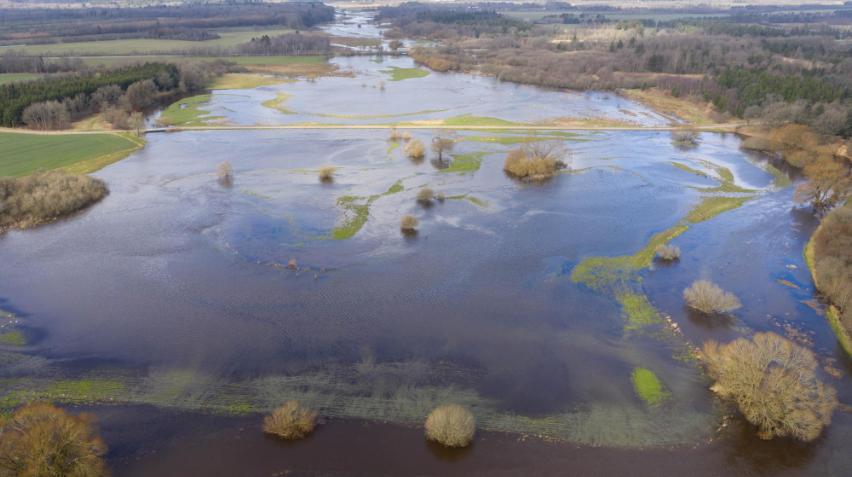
{"points": [[414, 149], [395, 135], [442, 145], [535, 161], [685, 139], [290, 421], [706, 297], [42, 440], [440, 197], [408, 224], [774, 383], [668, 252], [45, 196], [451, 425], [405, 135], [225, 174], [425, 196], [326, 174]]}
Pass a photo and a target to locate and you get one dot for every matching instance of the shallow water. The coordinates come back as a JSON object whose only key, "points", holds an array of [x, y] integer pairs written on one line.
{"points": [[175, 289]]}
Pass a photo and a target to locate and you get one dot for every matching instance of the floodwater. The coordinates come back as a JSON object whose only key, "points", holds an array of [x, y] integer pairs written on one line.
{"points": [[174, 295]]}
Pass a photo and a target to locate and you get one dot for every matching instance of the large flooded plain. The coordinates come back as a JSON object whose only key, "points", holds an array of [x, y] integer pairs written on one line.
{"points": [[197, 306]]}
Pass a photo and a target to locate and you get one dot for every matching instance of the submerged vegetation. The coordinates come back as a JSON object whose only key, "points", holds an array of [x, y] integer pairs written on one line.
{"points": [[42, 440], [451, 425], [44, 197], [290, 421], [774, 384], [648, 386]]}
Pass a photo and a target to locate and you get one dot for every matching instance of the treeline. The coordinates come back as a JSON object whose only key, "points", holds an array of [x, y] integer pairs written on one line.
{"points": [[287, 44], [437, 21], [12, 62], [54, 102], [51, 25]]}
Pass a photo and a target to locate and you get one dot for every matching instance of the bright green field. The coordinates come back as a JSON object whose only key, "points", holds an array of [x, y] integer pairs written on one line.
{"points": [[22, 154], [188, 112], [10, 77], [142, 45], [399, 74], [240, 60]]}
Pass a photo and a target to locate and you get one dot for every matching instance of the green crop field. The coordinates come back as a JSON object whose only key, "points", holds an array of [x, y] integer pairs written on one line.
{"points": [[142, 45], [10, 77], [22, 154]]}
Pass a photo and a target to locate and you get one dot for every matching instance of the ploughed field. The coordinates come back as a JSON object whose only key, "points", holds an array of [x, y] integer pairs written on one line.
{"points": [[538, 305]]}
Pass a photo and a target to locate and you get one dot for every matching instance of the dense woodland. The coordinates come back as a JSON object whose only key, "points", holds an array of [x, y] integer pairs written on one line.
{"points": [[189, 21], [121, 94], [799, 72]]}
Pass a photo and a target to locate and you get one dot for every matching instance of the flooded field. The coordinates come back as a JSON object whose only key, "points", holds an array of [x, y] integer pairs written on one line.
{"points": [[197, 306]]}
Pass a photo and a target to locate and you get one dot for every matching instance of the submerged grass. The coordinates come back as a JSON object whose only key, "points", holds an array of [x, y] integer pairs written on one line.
{"points": [[648, 386], [357, 211], [13, 338], [400, 74], [713, 206], [465, 162], [277, 103], [343, 392], [638, 310]]}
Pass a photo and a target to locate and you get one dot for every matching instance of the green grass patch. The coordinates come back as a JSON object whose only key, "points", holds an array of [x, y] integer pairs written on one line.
{"points": [[400, 74], [13, 338], [84, 390], [17, 77], [357, 211], [463, 163], [143, 46], [712, 206], [648, 387], [188, 112], [599, 272], [278, 102], [689, 170], [395, 188], [638, 311], [22, 154], [110, 61], [470, 120]]}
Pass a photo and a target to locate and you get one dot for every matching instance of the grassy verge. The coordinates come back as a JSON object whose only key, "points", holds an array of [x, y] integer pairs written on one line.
{"points": [[400, 74], [22, 154], [188, 112]]}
